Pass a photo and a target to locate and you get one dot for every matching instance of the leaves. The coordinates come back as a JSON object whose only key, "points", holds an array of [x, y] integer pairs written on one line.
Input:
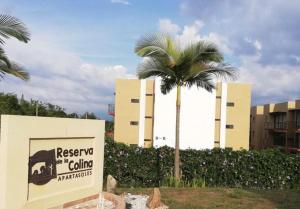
{"points": [[148, 167], [13, 27], [199, 64], [14, 70]]}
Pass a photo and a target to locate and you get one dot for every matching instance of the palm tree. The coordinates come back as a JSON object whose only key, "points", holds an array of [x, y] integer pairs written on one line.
{"points": [[12, 27], [198, 64]]}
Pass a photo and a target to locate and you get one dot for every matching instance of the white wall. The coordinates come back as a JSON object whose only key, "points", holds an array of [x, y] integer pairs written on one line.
{"points": [[197, 118], [164, 117]]}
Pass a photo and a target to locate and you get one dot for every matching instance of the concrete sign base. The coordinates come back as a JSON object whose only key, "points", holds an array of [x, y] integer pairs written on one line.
{"points": [[46, 162]]}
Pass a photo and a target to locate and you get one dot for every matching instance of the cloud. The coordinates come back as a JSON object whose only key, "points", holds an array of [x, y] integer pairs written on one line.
{"points": [[192, 33], [166, 26], [272, 82], [125, 2], [274, 23], [61, 77]]}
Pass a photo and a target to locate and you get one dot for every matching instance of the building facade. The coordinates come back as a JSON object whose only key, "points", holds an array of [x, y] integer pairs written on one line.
{"points": [[145, 117], [276, 125]]}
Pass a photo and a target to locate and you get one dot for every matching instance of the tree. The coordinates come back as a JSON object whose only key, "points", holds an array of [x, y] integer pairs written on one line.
{"points": [[12, 27], [198, 64]]}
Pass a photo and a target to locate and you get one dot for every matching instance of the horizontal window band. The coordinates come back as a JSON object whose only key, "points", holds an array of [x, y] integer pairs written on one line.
{"points": [[217, 119], [147, 140], [149, 94], [148, 116]]}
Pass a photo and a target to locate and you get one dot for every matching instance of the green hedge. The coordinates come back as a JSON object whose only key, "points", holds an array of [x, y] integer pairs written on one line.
{"points": [[148, 167]]}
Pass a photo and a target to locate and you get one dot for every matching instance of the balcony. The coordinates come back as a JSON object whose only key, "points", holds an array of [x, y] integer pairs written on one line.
{"points": [[279, 126], [111, 109], [283, 126]]}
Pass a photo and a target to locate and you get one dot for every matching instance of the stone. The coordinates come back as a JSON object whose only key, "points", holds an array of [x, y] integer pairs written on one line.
{"points": [[111, 184], [118, 201], [155, 200]]}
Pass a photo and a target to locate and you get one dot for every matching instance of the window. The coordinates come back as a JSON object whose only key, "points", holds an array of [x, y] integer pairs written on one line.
{"points": [[279, 120], [217, 119], [218, 97], [147, 140], [279, 139], [148, 116], [230, 104], [217, 142], [229, 126], [135, 100], [134, 123], [149, 94]]}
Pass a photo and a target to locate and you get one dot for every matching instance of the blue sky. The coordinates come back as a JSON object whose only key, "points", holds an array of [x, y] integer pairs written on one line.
{"points": [[79, 47]]}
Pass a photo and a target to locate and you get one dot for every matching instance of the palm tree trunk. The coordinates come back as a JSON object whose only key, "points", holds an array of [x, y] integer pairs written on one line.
{"points": [[177, 156]]}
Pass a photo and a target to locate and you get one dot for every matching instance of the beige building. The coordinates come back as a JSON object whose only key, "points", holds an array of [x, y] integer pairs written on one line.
{"points": [[276, 125], [145, 117]]}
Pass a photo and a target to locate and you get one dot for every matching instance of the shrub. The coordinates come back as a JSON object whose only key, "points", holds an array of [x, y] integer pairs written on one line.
{"points": [[148, 167]]}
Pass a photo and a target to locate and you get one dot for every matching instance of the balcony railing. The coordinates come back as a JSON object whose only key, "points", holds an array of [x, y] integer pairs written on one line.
{"points": [[111, 109], [291, 125], [277, 125]]}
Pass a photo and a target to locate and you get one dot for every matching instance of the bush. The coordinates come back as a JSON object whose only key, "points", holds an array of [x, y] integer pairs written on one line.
{"points": [[148, 167]]}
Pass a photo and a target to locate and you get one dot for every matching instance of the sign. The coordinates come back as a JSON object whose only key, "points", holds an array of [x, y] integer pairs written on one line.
{"points": [[45, 167]]}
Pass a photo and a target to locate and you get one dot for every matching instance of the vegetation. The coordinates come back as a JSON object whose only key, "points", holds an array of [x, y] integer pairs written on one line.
{"points": [[10, 104], [12, 27], [148, 167], [214, 198], [198, 64]]}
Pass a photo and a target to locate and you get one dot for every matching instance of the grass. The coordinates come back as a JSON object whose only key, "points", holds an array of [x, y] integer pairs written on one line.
{"points": [[213, 198]]}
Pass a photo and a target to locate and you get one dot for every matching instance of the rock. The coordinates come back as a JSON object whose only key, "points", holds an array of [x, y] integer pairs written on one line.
{"points": [[154, 200], [111, 184], [118, 201]]}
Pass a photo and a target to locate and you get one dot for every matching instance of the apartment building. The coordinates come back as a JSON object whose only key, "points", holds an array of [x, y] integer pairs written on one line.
{"points": [[276, 125], [145, 117]]}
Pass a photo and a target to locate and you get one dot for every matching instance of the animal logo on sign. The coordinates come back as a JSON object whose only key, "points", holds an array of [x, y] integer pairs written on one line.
{"points": [[42, 167]]}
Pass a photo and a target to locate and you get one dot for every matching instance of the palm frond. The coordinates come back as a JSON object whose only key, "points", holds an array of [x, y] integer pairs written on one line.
{"points": [[158, 45], [153, 67], [14, 70], [203, 51], [13, 27], [221, 71], [4, 58], [208, 73], [167, 84]]}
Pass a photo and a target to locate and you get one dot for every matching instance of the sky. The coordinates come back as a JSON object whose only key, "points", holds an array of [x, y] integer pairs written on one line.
{"points": [[79, 47]]}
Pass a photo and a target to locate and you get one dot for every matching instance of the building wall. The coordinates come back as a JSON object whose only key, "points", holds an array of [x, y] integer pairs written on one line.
{"points": [[238, 95], [203, 117], [218, 115], [263, 130], [126, 111], [149, 102], [257, 127]]}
